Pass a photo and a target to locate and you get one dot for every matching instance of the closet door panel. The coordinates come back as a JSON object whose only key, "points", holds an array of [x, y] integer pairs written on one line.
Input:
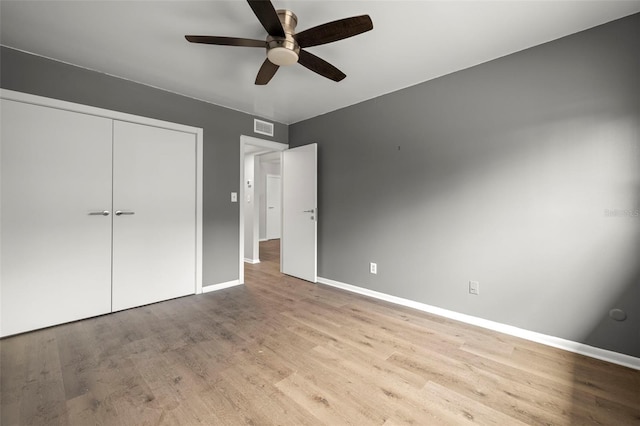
{"points": [[55, 256], [154, 237]]}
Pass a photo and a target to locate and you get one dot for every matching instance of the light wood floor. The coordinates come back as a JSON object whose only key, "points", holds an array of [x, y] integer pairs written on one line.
{"points": [[283, 351]]}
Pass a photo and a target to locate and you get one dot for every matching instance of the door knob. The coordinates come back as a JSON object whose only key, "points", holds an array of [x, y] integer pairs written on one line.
{"points": [[120, 213], [102, 213]]}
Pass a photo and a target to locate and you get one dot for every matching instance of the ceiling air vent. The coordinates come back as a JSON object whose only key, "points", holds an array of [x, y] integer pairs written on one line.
{"points": [[263, 127]]}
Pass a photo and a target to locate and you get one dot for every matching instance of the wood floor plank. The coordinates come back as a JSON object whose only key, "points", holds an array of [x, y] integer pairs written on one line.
{"points": [[385, 387], [460, 375], [465, 409], [42, 396], [283, 351], [405, 329], [89, 409], [326, 405], [257, 388], [11, 383]]}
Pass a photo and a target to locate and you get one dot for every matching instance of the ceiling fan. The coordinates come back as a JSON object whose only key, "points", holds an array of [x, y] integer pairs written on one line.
{"points": [[284, 46]]}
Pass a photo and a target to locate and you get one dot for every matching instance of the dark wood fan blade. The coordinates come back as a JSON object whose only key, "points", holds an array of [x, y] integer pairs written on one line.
{"points": [[334, 31], [226, 41], [320, 66], [267, 71], [268, 17]]}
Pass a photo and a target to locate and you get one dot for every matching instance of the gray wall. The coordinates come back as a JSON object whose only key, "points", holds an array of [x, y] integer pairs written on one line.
{"points": [[501, 173], [222, 129]]}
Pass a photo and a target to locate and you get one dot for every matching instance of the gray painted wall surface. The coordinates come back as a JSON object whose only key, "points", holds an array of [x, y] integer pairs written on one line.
{"points": [[222, 129], [502, 173]]}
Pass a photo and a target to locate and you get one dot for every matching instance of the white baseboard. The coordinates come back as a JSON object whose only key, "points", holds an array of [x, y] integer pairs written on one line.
{"points": [[216, 287], [556, 342], [251, 261]]}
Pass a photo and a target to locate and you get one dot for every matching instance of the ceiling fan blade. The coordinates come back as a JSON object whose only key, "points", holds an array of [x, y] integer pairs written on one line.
{"points": [[334, 31], [226, 41], [267, 71], [268, 17], [320, 66]]}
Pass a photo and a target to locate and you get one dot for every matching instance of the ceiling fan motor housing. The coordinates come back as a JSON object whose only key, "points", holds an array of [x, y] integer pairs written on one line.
{"points": [[284, 51]]}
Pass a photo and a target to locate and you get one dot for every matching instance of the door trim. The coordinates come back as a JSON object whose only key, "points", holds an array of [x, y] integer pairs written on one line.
{"points": [[270, 145], [121, 116]]}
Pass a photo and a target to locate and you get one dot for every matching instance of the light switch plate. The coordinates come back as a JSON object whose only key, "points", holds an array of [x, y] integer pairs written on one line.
{"points": [[234, 197]]}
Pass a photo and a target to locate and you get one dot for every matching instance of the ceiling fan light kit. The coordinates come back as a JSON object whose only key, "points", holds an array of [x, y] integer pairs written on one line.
{"points": [[283, 45], [283, 56]]}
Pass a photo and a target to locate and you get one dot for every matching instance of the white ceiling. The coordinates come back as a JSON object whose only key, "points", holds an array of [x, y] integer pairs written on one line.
{"points": [[412, 41]]}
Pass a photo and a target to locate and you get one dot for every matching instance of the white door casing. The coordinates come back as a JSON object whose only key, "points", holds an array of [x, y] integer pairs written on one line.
{"points": [[299, 212], [245, 142], [274, 207], [56, 254], [154, 203]]}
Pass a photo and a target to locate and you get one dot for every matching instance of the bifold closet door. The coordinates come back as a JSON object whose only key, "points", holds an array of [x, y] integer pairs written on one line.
{"points": [[55, 216], [154, 223]]}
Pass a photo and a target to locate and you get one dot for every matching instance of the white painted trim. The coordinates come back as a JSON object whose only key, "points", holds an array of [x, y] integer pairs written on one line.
{"points": [[249, 140], [262, 240], [556, 342], [252, 261], [121, 116], [199, 206], [221, 286]]}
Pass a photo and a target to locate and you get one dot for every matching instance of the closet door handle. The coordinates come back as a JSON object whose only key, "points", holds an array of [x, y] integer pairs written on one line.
{"points": [[120, 213], [102, 213]]}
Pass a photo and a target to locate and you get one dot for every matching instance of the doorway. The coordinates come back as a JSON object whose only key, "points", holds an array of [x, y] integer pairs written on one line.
{"points": [[270, 252], [252, 196]]}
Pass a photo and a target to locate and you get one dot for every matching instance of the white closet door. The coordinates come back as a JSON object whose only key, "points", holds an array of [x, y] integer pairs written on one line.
{"points": [[56, 255], [154, 227]]}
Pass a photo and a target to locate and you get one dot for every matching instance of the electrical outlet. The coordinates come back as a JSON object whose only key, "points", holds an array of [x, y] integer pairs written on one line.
{"points": [[474, 287], [373, 268]]}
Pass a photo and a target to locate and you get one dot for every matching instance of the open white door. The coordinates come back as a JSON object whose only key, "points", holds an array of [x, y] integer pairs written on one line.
{"points": [[299, 212]]}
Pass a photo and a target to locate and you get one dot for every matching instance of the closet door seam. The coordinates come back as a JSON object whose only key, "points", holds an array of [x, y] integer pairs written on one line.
{"points": [[113, 129]]}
